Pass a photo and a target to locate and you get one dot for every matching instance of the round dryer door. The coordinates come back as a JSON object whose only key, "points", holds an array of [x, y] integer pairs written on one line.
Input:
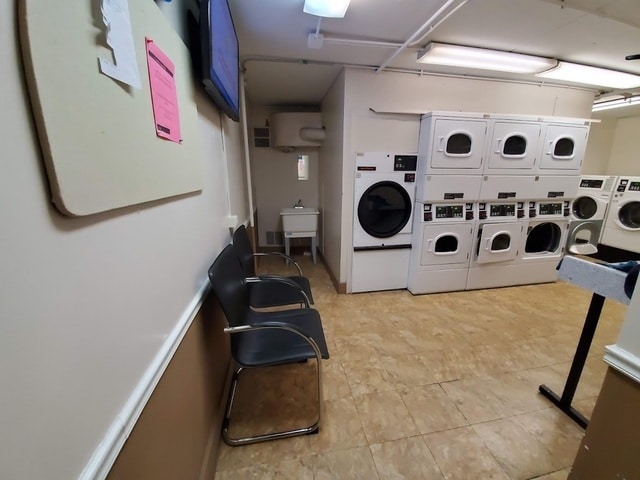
{"points": [[543, 238], [584, 208], [384, 209], [629, 215]]}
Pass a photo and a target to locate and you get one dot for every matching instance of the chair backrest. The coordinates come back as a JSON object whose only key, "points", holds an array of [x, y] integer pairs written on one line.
{"points": [[227, 280], [243, 247]]}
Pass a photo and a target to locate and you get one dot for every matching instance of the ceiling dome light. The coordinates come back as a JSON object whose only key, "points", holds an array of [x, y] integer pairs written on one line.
{"points": [[326, 8]]}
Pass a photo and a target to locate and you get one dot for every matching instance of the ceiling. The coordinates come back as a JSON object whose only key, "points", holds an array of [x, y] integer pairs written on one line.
{"points": [[280, 69]]}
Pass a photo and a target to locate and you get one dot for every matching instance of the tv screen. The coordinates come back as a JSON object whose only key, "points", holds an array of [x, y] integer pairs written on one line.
{"points": [[220, 56]]}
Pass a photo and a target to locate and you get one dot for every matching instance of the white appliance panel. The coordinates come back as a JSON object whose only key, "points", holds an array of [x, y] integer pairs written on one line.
{"points": [[498, 242], [563, 148], [446, 188], [513, 147], [446, 244], [556, 186], [374, 270], [507, 187]]}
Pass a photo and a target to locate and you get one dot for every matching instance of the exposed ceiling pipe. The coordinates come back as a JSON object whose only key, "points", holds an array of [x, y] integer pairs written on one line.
{"points": [[437, 24], [415, 35]]}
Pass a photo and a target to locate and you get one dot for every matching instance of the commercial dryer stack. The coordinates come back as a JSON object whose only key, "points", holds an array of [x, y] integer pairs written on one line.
{"points": [[493, 199]]}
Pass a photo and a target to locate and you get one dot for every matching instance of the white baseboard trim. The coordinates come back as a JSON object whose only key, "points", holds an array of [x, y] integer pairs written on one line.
{"points": [[625, 362], [108, 450]]}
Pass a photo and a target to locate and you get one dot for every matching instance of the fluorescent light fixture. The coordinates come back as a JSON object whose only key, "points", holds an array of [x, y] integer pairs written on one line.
{"points": [[482, 58], [573, 72], [617, 103], [326, 8]]}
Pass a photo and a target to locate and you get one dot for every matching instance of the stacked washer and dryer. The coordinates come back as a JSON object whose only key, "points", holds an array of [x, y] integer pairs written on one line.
{"points": [[505, 180]]}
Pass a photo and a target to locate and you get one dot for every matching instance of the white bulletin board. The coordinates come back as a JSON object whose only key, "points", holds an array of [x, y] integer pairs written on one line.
{"points": [[97, 134]]}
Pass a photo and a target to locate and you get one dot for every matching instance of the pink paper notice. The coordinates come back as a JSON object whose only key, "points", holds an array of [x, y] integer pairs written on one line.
{"points": [[164, 97]]}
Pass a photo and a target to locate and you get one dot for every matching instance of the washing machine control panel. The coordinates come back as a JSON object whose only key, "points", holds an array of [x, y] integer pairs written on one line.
{"points": [[498, 210], [458, 211], [405, 163], [547, 209]]}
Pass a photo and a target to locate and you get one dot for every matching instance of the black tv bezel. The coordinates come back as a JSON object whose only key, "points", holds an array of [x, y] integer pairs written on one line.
{"points": [[216, 90]]}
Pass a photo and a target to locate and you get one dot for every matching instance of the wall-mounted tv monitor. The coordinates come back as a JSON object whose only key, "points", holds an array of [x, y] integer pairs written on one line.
{"points": [[220, 56]]}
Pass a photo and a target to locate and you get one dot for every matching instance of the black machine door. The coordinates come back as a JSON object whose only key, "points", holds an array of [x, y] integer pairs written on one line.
{"points": [[629, 215], [384, 209], [543, 238], [584, 208]]}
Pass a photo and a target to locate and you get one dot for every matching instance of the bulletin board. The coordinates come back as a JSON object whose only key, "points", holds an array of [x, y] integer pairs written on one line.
{"points": [[97, 134]]}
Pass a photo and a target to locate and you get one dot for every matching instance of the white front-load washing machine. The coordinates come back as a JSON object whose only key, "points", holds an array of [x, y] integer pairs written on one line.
{"points": [[588, 211], [384, 197], [452, 143], [497, 238], [622, 224], [543, 242]]}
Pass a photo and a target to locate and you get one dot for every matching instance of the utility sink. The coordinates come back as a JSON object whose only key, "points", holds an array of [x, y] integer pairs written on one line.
{"points": [[299, 220]]}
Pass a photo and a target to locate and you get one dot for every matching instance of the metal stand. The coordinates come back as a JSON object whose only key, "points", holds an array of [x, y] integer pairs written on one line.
{"points": [[588, 330]]}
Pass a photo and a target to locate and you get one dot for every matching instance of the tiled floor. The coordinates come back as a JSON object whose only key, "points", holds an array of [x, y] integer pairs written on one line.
{"points": [[441, 386]]}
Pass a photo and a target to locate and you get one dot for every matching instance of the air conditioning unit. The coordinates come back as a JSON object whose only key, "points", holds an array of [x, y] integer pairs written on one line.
{"points": [[290, 130]]}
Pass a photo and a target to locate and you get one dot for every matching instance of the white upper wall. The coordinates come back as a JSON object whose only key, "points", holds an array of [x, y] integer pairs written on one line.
{"points": [[596, 159], [87, 303], [625, 159]]}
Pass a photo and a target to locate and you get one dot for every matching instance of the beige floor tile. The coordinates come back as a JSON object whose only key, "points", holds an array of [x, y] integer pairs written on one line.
{"points": [[559, 475], [256, 454], [519, 394], [299, 468], [340, 428], [407, 370], [431, 409], [477, 399], [556, 431], [352, 464], [384, 417], [334, 381], [368, 377], [407, 458], [461, 455], [517, 450], [585, 405]]}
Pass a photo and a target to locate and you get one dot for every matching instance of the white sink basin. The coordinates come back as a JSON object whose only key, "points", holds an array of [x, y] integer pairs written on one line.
{"points": [[300, 219]]}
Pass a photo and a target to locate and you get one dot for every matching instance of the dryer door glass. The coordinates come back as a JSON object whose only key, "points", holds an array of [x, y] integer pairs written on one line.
{"points": [[446, 244], [629, 215], [543, 238], [459, 144], [563, 148], [514, 147], [384, 209], [584, 208]]}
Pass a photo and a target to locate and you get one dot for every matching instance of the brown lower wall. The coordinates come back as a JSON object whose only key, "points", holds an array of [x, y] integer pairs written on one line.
{"points": [[178, 434], [611, 445]]}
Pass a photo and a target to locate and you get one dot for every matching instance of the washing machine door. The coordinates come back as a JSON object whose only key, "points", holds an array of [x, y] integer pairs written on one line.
{"points": [[629, 216], [498, 242], [384, 209], [584, 208]]}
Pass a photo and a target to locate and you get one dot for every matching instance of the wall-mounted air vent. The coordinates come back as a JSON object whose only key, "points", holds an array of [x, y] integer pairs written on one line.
{"points": [[261, 137], [275, 238]]}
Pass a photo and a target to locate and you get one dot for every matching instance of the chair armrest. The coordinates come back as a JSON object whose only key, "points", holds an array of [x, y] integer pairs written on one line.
{"points": [[280, 326], [284, 280], [278, 254]]}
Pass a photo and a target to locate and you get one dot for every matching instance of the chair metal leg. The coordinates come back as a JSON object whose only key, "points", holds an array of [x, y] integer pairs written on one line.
{"points": [[311, 429]]}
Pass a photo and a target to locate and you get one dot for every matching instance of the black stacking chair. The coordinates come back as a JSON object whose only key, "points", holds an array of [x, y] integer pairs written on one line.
{"points": [[269, 294], [264, 338]]}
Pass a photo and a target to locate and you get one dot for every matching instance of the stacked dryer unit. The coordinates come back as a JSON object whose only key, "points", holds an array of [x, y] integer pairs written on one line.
{"points": [[507, 186], [525, 171], [622, 224], [588, 212], [561, 153], [451, 147]]}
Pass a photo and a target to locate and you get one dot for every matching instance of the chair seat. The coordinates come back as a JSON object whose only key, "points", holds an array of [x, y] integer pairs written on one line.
{"points": [[273, 294], [276, 346]]}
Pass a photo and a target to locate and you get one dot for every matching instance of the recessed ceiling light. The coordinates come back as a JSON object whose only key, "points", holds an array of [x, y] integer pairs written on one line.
{"points": [[482, 58]]}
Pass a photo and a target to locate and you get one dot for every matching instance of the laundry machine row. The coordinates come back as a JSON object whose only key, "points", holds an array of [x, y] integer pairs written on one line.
{"points": [[474, 143], [474, 232]]}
